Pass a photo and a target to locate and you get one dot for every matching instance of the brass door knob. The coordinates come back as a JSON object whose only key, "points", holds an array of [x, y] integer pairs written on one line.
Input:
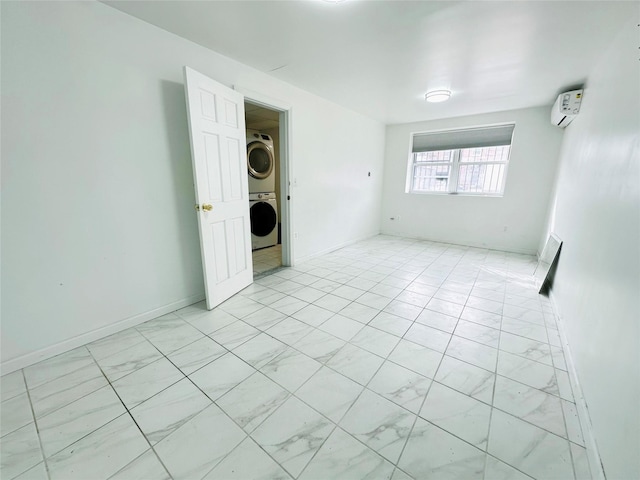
{"points": [[208, 207]]}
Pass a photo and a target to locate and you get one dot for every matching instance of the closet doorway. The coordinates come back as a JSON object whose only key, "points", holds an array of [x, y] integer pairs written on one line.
{"points": [[269, 199]]}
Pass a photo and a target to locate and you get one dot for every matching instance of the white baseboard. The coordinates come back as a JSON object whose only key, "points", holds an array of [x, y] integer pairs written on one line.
{"points": [[593, 455], [450, 242], [335, 247], [28, 359]]}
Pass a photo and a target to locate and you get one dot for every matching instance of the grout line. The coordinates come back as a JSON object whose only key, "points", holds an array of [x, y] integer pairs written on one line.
{"points": [[70, 401], [335, 426], [493, 397], [58, 377], [35, 424], [127, 411], [139, 456]]}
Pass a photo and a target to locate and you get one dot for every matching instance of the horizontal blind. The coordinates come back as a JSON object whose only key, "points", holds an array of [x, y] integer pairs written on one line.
{"points": [[466, 138]]}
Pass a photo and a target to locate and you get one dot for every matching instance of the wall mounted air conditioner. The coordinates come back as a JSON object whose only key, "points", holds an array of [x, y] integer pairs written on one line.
{"points": [[566, 108]]}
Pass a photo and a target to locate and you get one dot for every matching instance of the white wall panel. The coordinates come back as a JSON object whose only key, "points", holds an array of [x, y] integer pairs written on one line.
{"points": [[596, 212]]}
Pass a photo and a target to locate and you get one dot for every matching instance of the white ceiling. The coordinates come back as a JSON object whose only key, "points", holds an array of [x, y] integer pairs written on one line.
{"points": [[380, 57]]}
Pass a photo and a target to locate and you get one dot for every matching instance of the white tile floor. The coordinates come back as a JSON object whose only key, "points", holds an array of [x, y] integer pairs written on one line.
{"points": [[392, 358], [266, 259]]}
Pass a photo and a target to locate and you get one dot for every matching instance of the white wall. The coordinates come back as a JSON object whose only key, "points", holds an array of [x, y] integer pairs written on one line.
{"points": [[98, 225], [513, 222], [596, 212]]}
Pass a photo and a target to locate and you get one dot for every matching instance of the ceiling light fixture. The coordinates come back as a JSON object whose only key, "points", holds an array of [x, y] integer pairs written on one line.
{"points": [[436, 96]]}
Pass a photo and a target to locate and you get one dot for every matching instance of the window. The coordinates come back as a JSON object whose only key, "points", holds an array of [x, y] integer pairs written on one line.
{"points": [[471, 161]]}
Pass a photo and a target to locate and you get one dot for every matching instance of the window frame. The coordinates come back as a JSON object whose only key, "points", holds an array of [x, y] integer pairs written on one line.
{"points": [[415, 164], [455, 163]]}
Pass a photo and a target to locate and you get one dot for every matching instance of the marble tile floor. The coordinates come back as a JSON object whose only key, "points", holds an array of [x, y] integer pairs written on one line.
{"points": [[388, 359], [266, 259]]}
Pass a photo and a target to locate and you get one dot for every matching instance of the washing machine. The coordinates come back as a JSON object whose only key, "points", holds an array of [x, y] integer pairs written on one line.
{"points": [[260, 162], [263, 210]]}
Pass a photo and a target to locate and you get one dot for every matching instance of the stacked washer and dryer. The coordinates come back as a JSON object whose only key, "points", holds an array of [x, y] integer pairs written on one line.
{"points": [[263, 205]]}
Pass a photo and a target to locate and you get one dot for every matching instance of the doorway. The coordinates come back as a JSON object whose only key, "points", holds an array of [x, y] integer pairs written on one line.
{"points": [[268, 174]]}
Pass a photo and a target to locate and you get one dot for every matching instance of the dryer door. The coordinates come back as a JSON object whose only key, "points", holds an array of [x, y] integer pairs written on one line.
{"points": [[259, 160], [263, 218]]}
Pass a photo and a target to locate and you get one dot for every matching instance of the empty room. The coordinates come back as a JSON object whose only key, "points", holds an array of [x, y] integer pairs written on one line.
{"points": [[320, 239]]}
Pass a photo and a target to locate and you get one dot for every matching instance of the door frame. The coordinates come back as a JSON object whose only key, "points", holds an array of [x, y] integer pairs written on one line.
{"points": [[285, 127]]}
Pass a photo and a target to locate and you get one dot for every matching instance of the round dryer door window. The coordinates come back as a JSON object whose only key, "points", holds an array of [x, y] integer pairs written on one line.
{"points": [[259, 160], [263, 219]]}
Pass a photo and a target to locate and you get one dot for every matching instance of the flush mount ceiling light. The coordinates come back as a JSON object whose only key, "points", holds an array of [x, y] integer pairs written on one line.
{"points": [[437, 96]]}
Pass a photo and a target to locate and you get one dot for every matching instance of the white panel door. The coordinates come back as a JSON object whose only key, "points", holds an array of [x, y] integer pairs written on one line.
{"points": [[218, 151]]}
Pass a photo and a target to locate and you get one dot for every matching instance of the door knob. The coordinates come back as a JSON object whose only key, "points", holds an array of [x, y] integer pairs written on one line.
{"points": [[205, 206]]}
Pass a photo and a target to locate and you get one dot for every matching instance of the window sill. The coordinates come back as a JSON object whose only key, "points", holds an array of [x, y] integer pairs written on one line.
{"points": [[456, 194]]}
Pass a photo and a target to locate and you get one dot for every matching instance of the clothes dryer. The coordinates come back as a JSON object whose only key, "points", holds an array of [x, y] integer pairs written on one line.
{"points": [[260, 162], [263, 210]]}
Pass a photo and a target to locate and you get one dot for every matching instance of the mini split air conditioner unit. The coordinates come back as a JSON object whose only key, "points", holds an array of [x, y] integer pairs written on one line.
{"points": [[566, 108]]}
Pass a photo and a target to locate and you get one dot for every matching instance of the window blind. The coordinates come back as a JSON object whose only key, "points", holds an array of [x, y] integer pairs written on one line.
{"points": [[466, 138]]}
